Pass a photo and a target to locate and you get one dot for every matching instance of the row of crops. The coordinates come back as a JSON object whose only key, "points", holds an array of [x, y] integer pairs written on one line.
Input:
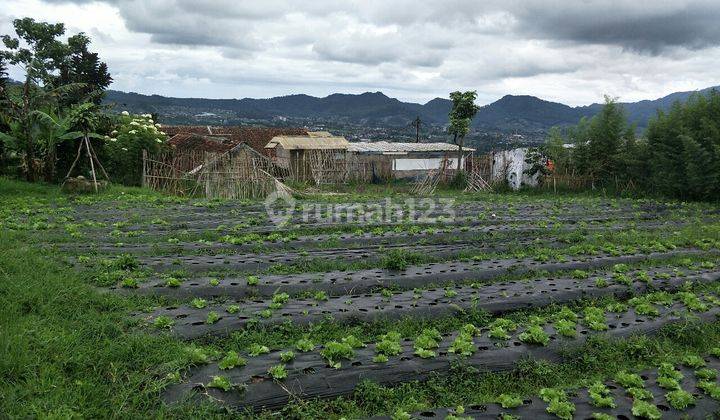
{"points": [[316, 311]]}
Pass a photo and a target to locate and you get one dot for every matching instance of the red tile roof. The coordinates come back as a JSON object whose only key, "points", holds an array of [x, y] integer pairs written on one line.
{"points": [[220, 139]]}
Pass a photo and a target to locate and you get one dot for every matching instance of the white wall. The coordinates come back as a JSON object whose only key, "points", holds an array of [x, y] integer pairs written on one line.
{"points": [[404, 164], [510, 164]]}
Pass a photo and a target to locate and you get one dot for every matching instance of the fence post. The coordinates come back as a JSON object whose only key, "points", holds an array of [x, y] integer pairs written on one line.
{"points": [[144, 158]]}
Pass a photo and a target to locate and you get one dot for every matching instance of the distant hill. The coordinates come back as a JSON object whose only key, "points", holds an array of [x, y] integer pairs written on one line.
{"points": [[509, 113]]}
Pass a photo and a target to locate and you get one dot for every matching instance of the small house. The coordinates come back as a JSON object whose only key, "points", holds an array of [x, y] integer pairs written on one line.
{"points": [[390, 160], [306, 156]]}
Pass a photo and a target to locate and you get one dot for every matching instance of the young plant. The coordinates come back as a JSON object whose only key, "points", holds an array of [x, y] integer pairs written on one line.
{"points": [[220, 382], [198, 303], [600, 396], [163, 322], [334, 351], [278, 372], [680, 399], [287, 356], [212, 317], [257, 349], [646, 410], [304, 345], [231, 360], [534, 334], [253, 280], [629, 380], [353, 342], [232, 309], [463, 345], [509, 401]]}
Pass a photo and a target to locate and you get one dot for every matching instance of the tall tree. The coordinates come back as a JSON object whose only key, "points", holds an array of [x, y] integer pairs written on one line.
{"points": [[82, 66], [56, 75], [461, 114]]}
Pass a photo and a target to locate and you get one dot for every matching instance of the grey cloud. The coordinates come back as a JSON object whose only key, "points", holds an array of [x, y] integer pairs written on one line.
{"points": [[647, 27]]}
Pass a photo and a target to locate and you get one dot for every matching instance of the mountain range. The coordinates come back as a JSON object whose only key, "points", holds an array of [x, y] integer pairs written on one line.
{"points": [[510, 113]]}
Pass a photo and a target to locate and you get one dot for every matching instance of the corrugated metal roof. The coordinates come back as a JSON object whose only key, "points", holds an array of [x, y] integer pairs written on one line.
{"points": [[319, 134], [387, 147], [308, 143]]}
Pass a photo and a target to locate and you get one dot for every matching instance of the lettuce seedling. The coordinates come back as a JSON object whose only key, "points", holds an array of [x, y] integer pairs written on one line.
{"points": [[629, 380], [668, 370], [287, 356], [595, 318], [214, 282], [579, 274], [253, 280], [389, 344], [231, 360], [693, 361], [198, 303], [667, 382], [380, 358], [232, 309], [320, 296], [278, 372], [600, 396], [463, 345], [173, 282], [565, 328], [535, 334], [639, 393], [163, 322], [257, 349], [424, 353], [304, 345], [509, 401], [353, 342], [280, 298], [680, 399], [601, 416], [643, 276], [220, 382], [212, 317], [646, 410], [130, 283], [334, 351], [712, 389], [706, 374]]}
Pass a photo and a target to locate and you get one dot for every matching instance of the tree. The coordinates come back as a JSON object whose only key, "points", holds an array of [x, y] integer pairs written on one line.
{"points": [[461, 114], [683, 144], [57, 75], [82, 66]]}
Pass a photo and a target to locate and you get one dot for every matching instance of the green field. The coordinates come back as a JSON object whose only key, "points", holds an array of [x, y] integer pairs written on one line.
{"points": [[132, 304]]}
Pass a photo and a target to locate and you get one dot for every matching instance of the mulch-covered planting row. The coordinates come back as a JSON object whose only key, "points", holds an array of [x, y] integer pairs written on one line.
{"points": [[310, 376], [108, 243], [344, 283], [704, 407], [191, 322]]}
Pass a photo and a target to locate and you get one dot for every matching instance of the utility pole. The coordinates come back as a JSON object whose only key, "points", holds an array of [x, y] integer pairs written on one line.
{"points": [[417, 123]]}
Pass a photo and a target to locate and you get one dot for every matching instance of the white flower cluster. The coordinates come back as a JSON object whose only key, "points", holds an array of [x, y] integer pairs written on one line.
{"points": [[140, 125]]}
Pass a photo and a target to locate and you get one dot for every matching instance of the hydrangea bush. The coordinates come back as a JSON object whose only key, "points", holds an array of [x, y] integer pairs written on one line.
{"points": [[125, 144]]}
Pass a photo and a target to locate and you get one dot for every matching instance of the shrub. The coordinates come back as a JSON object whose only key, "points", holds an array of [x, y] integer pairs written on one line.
{"points": [[123, 149]]}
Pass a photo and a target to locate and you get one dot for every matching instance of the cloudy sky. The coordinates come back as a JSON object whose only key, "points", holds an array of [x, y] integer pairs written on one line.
{"points": [[570, 51]]}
